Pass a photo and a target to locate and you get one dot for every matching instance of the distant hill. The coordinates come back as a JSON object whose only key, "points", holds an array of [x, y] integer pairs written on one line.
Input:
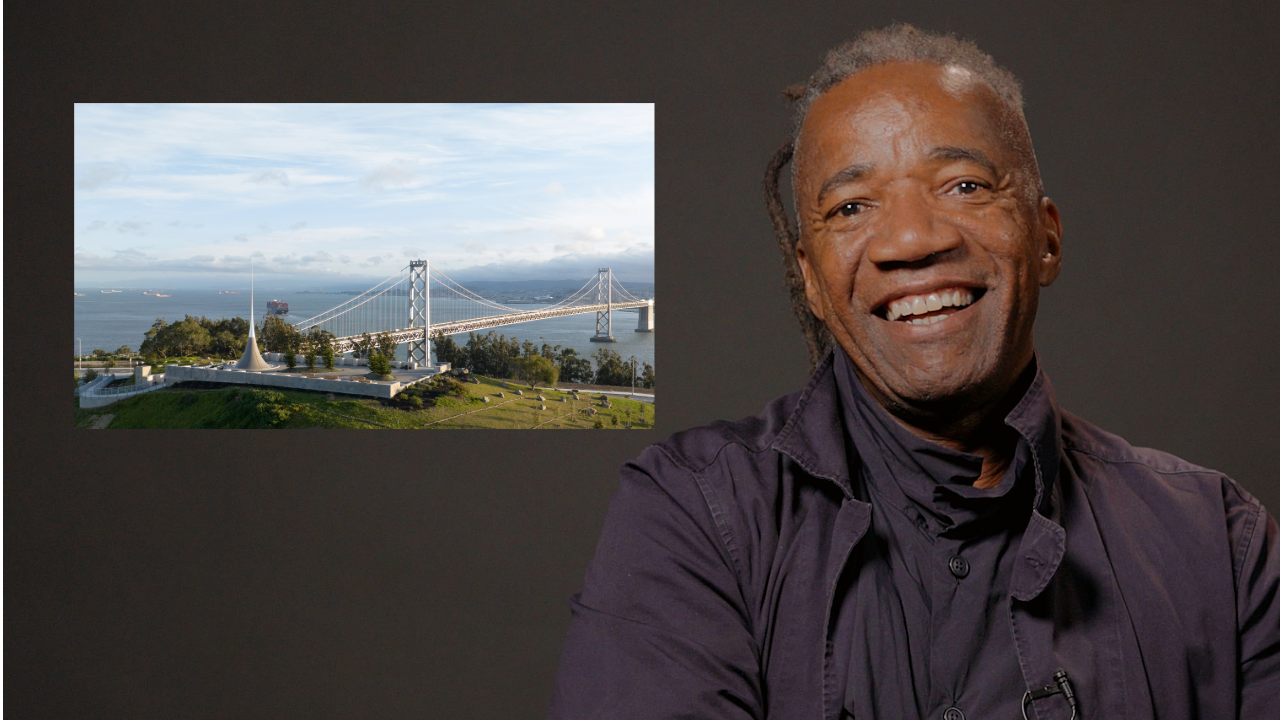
{"points": [[529, 285]]}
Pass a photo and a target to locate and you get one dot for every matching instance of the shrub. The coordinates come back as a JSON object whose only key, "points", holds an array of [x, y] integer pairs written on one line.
{"points": [[252, 408], [90, 375], [415, 402], [290, 357], [453, 387], [599, 424], [187, 399]]}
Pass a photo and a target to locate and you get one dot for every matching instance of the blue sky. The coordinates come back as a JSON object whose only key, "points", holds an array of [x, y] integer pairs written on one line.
{"points": [[338, 194]]}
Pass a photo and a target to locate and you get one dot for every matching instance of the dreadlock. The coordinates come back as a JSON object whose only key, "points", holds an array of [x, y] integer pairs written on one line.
{"points": [[896, 43]]}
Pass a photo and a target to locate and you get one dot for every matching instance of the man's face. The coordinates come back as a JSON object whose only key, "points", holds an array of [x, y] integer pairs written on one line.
{"points": [[919, 246]]}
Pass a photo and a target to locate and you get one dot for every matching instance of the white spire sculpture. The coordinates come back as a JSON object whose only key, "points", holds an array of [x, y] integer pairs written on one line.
{"points": [[252, 359]]}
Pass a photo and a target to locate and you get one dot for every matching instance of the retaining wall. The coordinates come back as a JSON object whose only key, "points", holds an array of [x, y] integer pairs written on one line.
{"points": [[181, 373]]}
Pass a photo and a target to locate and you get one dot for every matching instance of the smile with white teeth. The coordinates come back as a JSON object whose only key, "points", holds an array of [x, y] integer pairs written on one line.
{"points": [[904, 307]]}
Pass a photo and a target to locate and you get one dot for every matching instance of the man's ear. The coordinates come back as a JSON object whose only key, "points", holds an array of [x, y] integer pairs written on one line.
{"points": [[1051, 250], [810, 283]]}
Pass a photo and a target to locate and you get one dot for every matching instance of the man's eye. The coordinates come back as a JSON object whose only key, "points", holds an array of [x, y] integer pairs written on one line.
{"points": [[849, 209], [967, 187]]}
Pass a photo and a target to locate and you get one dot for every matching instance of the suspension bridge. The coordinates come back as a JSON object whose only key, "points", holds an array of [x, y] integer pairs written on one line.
{"points": [[419, 303]]}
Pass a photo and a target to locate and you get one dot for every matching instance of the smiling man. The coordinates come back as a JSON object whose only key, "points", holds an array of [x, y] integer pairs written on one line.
{"points": [[921, 532]]}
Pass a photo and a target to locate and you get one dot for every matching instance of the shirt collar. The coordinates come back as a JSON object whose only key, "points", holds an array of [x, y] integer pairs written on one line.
{"points": [[814, 435]]}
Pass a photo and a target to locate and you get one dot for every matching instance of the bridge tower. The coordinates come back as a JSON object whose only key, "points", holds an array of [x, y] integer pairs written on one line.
{"points": [[420, 311], [604, 318]]}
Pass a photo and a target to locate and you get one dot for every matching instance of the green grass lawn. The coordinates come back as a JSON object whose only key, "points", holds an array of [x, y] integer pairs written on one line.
{"points": [[181, 408]]}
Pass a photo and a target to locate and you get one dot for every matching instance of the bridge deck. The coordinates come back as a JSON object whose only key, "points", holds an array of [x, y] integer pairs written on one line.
{"points": [[345, 344]]}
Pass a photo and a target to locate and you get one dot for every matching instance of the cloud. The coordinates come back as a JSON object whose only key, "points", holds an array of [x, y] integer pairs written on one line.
{"points": [[633, 264], [473, 245], [242, 237], [298, 225], [131, 253], [269, 177], [293, 260], [375, 260], [178, 224], [264, 227], [95, 225], [96, 177], [398, 173], [574, 247], [553, 189], [344, 259], [132, 226], [410, 252], [593, 233]]}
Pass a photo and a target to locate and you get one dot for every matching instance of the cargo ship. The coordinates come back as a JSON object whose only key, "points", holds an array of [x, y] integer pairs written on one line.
{"points": [[227, 292], [279, 307], [105, 292], [159, 295], [79, 294]]}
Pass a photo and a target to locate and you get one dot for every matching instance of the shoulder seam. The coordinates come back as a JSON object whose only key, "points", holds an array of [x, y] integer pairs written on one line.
{"points": [[713, 506], [1246, 542], [1192, 470]]}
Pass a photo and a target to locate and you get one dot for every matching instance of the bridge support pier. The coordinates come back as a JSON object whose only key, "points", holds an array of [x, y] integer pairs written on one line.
{"points": [[646, 318]]}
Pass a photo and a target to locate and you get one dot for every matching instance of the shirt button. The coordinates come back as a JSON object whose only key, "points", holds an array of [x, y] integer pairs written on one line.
{"points": [[952, 713], [960, 568]]}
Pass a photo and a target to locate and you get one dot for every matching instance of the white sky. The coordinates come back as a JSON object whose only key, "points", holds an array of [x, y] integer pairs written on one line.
{"points": [[330, 193]]}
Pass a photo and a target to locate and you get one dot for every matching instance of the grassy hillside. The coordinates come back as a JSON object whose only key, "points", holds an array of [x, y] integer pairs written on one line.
{"points": [[245, 407]]}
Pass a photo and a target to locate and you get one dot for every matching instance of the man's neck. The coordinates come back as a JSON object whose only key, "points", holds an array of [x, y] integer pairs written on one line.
{"points": [[967, 425]]}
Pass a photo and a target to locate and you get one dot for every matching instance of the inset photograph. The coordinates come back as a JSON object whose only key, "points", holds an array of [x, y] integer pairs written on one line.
{"points": [[364, 266]]}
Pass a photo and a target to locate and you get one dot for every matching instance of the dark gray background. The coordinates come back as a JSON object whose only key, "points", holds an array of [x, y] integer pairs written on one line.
{"points": [[233, 574]]}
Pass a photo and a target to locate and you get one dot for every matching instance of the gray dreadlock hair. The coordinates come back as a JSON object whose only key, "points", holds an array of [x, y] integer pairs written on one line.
{"points": [[896, 43]]}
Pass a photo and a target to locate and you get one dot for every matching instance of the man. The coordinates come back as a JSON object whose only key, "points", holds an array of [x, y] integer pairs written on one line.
{"points": [[922, 532]]}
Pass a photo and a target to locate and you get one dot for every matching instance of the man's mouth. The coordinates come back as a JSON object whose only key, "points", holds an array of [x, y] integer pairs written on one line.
{"points": [[931, 307]]}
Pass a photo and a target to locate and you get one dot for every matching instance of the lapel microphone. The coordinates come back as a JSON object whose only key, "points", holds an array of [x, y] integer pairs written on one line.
{"points": [[1062, 685]]}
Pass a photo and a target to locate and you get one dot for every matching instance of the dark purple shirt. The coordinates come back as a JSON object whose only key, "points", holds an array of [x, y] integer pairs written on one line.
{"points": [[736, 561], [929, 631]]}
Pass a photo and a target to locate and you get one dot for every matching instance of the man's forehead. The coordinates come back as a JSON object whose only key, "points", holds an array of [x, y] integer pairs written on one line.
{"points": [[911, 87], [879, 103]]}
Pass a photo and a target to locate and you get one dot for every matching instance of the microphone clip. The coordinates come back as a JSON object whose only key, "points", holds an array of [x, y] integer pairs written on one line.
{"points": [[1062, 684]]}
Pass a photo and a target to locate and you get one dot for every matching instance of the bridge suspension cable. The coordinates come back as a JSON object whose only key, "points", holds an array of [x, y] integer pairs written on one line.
{"points": [[409, 305]]}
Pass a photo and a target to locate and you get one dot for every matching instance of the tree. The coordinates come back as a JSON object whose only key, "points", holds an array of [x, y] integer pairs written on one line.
{"points": [[124, 350], [379, 364], [277, 334], [646, 378], [290, 357], [448, 351], [573, 368], [610, 369], [90, 375], [110, 363], [327, 354], [387, 345], [362, 347], [535, 369], [311, 346], [99, 353]]}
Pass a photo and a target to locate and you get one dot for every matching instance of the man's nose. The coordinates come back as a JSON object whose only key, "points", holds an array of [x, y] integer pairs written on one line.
{"points": [[911, 231]]}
